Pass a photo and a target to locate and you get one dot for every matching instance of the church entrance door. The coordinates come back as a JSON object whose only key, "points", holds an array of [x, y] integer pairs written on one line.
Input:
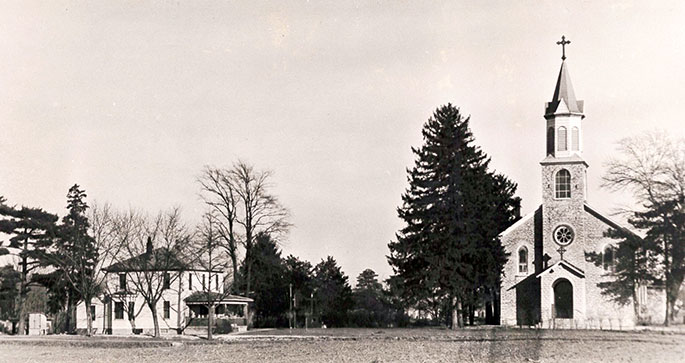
{"points": [[563, 299]]}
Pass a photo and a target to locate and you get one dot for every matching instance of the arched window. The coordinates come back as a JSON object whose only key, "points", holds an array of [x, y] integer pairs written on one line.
{"points": [[575, 139], [562, 184], [550, 141], [608, 258], [561, 139], [523, 260]]}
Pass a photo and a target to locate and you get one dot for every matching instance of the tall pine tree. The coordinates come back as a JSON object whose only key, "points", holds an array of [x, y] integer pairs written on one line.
{"points": [[333, 293], [76, 255], [32, 231], [453, 209]]}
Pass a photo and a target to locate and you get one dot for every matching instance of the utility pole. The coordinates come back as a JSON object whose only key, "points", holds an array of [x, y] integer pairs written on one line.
{"points": [[311, 305], [295, 311], [290, 321]]}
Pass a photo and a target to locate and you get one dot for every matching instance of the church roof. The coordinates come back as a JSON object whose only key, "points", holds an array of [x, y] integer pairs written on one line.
{"points": [[564, 99], [565, 264], [520, 222]]}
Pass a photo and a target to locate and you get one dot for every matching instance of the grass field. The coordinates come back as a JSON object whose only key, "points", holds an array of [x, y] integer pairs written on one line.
{"points": [[361, 345]]}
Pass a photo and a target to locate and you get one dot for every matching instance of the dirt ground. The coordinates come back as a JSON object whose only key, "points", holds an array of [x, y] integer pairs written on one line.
{"points": [[361, 345]]}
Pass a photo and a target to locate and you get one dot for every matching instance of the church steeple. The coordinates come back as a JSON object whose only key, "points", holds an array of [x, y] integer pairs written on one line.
{"points": [[563, 169], [564, 114], [564, 99]]}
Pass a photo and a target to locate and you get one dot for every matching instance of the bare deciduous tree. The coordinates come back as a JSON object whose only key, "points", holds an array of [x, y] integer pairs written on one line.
{"points": [[210, 263], [260, 211], [652, 166], [241, 198], [218, 190]]}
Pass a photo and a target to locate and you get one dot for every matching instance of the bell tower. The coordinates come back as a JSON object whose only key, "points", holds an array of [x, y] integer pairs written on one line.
{"points": [[563, 172]]}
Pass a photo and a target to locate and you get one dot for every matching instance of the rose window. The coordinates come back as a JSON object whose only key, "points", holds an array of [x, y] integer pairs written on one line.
{"points": [[563, 235]]}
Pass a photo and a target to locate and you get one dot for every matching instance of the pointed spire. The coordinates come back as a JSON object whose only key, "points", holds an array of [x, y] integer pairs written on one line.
{"points": [[564, 92]]}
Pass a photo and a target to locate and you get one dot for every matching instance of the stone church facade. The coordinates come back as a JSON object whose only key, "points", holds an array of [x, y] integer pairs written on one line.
{"points": [[548, 280]]}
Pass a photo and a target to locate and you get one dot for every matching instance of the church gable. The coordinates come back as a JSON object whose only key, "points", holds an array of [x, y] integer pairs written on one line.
{"points": [[522, 242], [522, 225], [596, 226]]}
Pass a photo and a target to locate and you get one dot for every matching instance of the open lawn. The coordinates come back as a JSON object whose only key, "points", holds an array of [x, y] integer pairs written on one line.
{"points": [[360, 345]]}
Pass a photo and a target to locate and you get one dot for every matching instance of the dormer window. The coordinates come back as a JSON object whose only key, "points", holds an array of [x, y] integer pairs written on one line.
{"points": [[562, 184], [561, 139], [523, 260]]}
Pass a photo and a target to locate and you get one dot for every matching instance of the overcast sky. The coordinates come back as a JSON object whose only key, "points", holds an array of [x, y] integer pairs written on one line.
{"points": [[130, 99]]}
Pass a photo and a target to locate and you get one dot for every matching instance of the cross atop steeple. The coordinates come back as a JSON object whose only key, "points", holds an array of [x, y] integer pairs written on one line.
{"points": [[563, 43]]}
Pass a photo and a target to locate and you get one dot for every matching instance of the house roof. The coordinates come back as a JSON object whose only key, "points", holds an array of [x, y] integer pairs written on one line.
{"points": [[564, 264], [564, 99], [160, 259], [199, 297]]}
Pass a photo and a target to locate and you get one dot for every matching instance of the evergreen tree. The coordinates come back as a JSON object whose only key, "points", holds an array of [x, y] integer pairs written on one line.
{"points": [[32, 231], [299, 274], [453, 209], [632, 264], [333, 293], [76, 255], [9, 283], [269, 282], [371, 308]]}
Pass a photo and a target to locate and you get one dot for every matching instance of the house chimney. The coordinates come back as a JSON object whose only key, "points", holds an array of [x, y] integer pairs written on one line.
{"points": [[148, 246]]}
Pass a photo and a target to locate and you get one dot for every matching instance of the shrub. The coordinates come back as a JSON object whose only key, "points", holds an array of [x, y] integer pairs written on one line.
{"points": [[223, 326]]}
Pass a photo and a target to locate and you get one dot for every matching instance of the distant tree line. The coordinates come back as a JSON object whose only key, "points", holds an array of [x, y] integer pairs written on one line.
{"points": [[61, 261]]}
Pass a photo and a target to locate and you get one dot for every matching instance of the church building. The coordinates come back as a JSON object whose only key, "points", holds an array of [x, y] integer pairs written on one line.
{"points": [[548, 280]]}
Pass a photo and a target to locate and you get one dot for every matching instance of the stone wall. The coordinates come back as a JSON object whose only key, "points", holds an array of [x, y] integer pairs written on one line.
{"points": [[556, 211], [602, 311], [521, 234]]}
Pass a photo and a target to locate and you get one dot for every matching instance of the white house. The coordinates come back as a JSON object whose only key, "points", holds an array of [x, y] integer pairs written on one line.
{"points": [[183, 290]]}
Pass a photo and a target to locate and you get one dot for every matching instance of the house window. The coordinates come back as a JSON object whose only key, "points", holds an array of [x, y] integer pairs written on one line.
{"points": [[575, 139], [190, 281], [523, 260], [561, 139], [550, 141], [216, 277], [131, 310], [562, 184], [203, 282], [122, 282], [118, 310], [92, 312], [167, 310], [608, 258], [167, 280]]}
